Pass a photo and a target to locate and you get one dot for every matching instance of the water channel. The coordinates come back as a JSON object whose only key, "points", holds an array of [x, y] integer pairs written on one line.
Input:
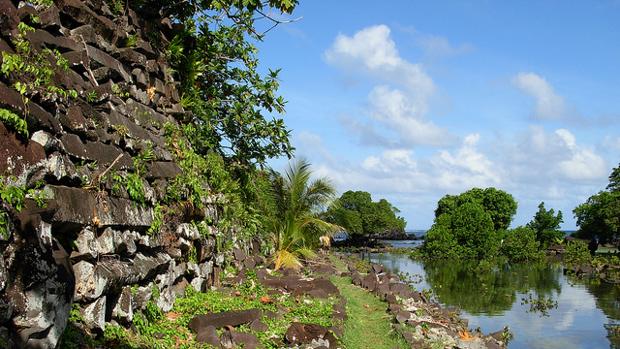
{"points": [[498, 297]]}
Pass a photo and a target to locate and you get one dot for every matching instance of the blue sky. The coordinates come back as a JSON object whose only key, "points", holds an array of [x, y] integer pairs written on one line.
{"points": [[413, 100]]}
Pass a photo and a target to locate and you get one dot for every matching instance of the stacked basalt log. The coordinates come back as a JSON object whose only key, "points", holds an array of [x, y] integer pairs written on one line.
{"points": [[89, 249]]}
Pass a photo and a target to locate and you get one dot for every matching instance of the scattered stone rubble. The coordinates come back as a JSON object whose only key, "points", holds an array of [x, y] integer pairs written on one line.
{"points": [[419, 320]]}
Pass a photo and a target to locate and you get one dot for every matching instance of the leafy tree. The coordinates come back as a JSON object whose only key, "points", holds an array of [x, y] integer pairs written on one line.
{"points": [[500, 205], [469, 225], [361, 217], [214, 57], [440, 242], [614, 180], [546, 225], [296, 226], [473, 229], [599, 216], [521, 245]]}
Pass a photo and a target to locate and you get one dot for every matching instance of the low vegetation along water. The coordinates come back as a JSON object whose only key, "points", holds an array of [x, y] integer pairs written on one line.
{"points": [[542, 307]]}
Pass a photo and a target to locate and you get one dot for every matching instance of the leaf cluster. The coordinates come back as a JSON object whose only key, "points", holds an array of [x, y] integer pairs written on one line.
{"points": [[599, 216], [546, 225], [31, 72], [361, 217], [470, 225]]}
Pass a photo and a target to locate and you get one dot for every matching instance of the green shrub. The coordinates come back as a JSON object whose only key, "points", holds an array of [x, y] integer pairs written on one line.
{"points": [[577, 253], [520, 245]]}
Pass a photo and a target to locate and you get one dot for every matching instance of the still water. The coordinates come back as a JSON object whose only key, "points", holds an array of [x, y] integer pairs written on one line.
{"points": [[494, 299]]}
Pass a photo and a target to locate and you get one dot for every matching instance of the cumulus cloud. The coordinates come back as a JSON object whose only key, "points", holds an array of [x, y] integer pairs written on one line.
{"points": [[547, 157], [534, 165], [394, 109], [549, 105], [466, 168], [398, 106], [373, 51]]}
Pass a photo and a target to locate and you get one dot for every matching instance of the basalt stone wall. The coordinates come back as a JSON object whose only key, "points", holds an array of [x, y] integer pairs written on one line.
{"points": [[89, 248]]}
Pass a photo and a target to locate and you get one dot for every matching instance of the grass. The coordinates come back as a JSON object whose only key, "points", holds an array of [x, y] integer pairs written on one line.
{"points": [[368, 325]]}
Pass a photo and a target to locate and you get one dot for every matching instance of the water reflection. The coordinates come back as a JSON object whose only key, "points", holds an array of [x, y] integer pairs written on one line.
{"points": [[586, 310], [489, 292]]}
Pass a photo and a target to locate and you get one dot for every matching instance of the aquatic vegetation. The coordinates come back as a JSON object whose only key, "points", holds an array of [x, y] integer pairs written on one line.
{"points": [[540, 304]]}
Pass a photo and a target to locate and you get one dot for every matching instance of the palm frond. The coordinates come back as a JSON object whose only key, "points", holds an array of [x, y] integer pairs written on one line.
{"points": [[286, 259], [307, 253]]}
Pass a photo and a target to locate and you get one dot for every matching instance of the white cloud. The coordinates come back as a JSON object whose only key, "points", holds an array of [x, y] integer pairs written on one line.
{"points": [[549, 105], [584, 164], [535, 165], [394, 109], [373, 51], [397, 113], [391, 160], [466, 168]]}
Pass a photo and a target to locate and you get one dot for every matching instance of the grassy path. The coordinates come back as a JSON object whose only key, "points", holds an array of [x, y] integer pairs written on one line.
{"points": [[368, 324]]}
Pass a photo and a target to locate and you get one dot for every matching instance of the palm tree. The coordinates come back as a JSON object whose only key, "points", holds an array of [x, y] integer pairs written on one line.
{"points": [[296, 227]]}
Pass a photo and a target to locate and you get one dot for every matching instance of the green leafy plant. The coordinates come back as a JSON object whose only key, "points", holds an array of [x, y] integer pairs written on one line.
{"points": [[296, 226], [546, 225], [520, 245], [13, 197], [120, 90], [31, 73], [577, 253], [91, 96], [14, 121]]}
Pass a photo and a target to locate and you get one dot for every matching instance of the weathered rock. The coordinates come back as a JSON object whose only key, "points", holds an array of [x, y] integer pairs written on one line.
{"points": [[188, 231], [318, 287], [46, 140], [41, 310], [17, 156], [369, 282], [141, 296], [229, 318], [87, 285], [199, 283], [402, 316], [86, 244], [78, 207], [208, 335], [81, 13], [166, 299], [164, 169], [91, 281], [43, 38], [123, 309], [258, 326], [244, 340], [74, 120], [105, 241], [8, 17], [299, 333], [94, 314]]}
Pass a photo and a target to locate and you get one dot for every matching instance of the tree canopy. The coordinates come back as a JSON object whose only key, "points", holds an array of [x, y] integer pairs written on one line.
{"points": [[213, 55], [500, 205], [546, 225], [599, 216], [361, 217], [470, 225]]}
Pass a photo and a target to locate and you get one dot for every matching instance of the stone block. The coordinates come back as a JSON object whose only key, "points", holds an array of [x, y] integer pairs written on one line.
{"points": [[79, 207]]}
